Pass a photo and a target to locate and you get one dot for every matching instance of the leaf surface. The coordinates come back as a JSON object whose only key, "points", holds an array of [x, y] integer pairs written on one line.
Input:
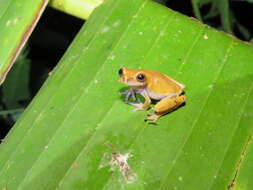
{"points": [[69, 135], [17, 21]]}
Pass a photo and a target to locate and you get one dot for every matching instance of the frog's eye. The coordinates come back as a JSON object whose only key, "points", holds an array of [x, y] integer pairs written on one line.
{"points": [[120, 72], [140, 77]]}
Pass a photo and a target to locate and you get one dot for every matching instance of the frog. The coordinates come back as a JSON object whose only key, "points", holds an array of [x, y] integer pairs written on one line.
{"points": [[152, 85]]}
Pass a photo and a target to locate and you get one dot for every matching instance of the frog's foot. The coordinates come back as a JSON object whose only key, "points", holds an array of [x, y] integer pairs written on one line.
{"points": [[138, 106], [151, 118]]}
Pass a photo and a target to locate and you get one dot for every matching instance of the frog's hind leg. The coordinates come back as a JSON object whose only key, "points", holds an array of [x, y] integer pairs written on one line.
{"points": [[168, 104], [165, 106]]}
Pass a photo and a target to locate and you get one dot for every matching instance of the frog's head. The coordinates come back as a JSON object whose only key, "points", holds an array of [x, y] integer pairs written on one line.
{"points": [[132, 77]]}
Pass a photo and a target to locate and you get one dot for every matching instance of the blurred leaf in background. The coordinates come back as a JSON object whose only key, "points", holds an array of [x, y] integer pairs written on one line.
{"points": [[223, 11], [15, 94], [45, 47], [15, 89]]}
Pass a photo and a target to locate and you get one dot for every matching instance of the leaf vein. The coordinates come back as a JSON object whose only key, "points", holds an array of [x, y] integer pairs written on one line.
{"points": [[101, 68], [27, 173], [197, 118], [237, 125]]}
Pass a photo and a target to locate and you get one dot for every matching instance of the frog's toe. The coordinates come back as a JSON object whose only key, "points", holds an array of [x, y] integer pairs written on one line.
{"points": [[150, 113], [137, 106], [151, 118], [136, 109], [125, 92]]}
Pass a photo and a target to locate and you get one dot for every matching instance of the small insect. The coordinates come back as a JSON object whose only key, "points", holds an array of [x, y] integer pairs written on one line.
{"points": [[152, 85]]}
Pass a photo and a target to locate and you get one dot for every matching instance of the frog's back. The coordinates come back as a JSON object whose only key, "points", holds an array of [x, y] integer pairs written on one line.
{"points": [[163, 84]]}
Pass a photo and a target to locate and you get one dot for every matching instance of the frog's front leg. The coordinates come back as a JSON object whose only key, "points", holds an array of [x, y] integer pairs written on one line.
{"points": [[164, 106], [128, 93], [142, 106]]}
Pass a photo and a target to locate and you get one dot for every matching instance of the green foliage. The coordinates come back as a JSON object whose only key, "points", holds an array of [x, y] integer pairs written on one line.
{"points": [[218, 7], [221, 9], [17, 20], [74, 132], [16, 88], [244, 168]]}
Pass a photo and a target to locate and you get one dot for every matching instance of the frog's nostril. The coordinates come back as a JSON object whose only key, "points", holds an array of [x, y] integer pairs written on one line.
{"points": [[120, 72]]}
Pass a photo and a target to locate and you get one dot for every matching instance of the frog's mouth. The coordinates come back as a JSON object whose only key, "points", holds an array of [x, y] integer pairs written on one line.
{"points": [[132, 83]]}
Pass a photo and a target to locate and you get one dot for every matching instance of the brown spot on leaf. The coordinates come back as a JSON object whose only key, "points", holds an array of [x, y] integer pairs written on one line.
{"points": [[120, 160], [75, 164], [110, 145]]}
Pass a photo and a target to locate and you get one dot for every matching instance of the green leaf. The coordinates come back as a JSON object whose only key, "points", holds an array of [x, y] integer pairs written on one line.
{"points": [[17, 21], [78, 132], [223, 8], [244, 168], [16, 87], [243, 30]]}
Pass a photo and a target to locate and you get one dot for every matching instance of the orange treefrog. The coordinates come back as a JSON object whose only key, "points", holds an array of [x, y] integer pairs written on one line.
{"points": [[152, 85]]}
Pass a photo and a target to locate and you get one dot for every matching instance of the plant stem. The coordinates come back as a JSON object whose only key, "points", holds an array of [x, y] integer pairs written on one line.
{"points": [[79, 8]]}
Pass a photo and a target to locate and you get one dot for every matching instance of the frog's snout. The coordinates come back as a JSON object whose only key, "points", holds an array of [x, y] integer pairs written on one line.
{"points": [[121, 79]]}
